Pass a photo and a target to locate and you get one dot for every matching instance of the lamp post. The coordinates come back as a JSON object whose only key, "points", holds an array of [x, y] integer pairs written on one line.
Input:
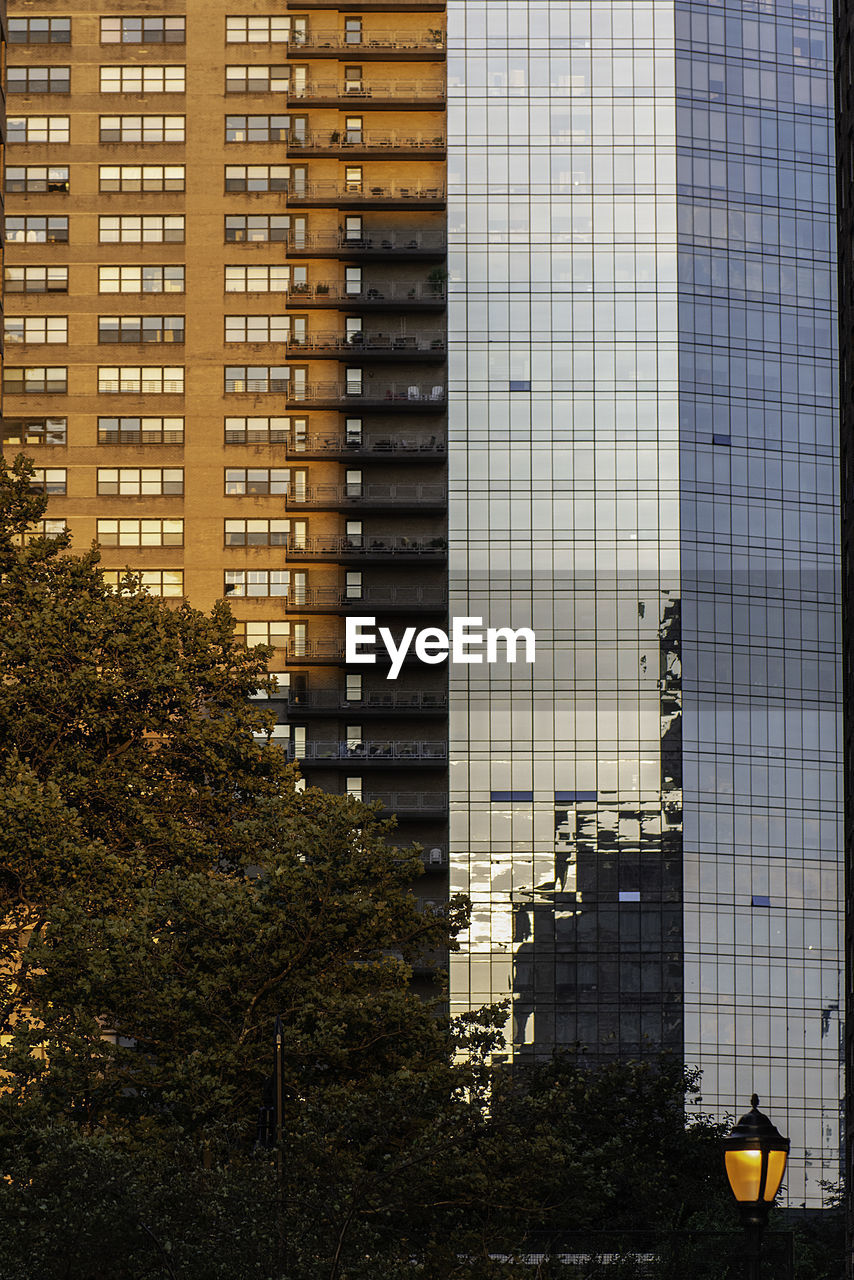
{"points": [[755, 1155]]}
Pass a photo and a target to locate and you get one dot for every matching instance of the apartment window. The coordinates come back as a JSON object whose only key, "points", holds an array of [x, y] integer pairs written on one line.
{"points": [[352, 30], [265, 480], [256, 30], [256, 128], [353, 585], [353, 82], [141, 177], [35, 328], [36, 230], [39, 31], [257, 328], [353, 177], [36, 178], [257, 177], [256, 582], [168, 79], [42, 529], [353, 228], [142, 30], [38, 80], [32, 129], [140, 328], [257, 279], [257, 533], [36, 279], [256, 228], [256, 79], [142, 128], [138, 482], [50, 480], [35, 380], [258, 430], [141, 279], [152, 379], [157, 582], [149, 228], [35, 431], [256, 377], [138, 430], [274, 634], [141, 533]]}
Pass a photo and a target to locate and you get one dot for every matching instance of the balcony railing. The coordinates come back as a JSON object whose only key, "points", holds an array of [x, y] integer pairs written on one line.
{"points": [[359, 345], [383, 750], [379, 545], [335, 598], [361, 142], [375, 495], [332, 700], [383, 242], [371, 446], [387, 395], [414, 802], [352, 193], [423, 92], [371, 42], [387, 293]]}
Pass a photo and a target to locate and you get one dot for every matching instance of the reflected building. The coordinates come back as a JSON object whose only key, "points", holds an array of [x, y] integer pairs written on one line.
{"points": [[642, 455]]}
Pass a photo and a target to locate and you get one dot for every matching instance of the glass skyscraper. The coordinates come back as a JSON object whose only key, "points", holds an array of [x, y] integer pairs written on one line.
{"points": [[643, 467]]}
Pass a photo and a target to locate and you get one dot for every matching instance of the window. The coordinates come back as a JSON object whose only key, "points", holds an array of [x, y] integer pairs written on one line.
{"points": [[256, 533], [36, 230], [353, 130], [274, 634], [35, 328], [252, 30], [152, 379], [157, 582], [257, 177], [42, 529], [141, 279], [257, 328], [142, 128], [36, 280], [353, 178], [256, 128], [134, 430], [256, 228], [36, 178], [35, 431], [353, 82], [256, 582], [256, 377], [142, 30], [38, 129], [137, 482], [50, 480], [243, 480], [258, 430], [141, 177], [257, 279], [352, 30], [38, 80], [150, 228], [170, 79], [39, 31], [33, 380], [256, 79], [141, 533], [140, 328]]}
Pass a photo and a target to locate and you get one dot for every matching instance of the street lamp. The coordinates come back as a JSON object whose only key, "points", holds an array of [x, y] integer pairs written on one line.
{"points": [[755, 1155]]}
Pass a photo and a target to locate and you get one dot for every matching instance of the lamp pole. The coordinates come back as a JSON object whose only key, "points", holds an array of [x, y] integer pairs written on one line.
{"points": [[755, 1156]]}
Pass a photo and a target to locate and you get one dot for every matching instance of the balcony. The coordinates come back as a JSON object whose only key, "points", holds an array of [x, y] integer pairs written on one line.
{"points": [[416, 448], [369, 46], [398, 95], [370, 6], [371, 706], [385, 296], [397, 397], [351, 195], [409, 804], [367, 497], [367, 346], [383, 753], [401, 245], [380, 599], [361, 145], [367, 549]]}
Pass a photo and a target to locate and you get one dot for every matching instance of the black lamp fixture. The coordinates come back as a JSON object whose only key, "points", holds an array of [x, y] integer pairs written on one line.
{"points": [[755, 1156]]}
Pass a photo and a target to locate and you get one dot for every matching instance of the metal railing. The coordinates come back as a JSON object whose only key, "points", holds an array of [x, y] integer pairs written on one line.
{"points": [[332, 700], [373, 597], [364, 140], [379, 241], [392, 495], [371, 392], [358, 445], [402, 90], [388, 291], [379, 749], [379, 545], [388, 344], [362, 192], [432, 41], [407, 801]]}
